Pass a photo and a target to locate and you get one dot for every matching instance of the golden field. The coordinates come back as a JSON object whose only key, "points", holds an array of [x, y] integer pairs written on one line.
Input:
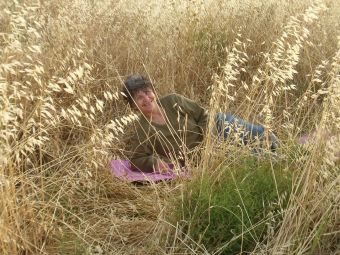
{"points": [[62, 117]]}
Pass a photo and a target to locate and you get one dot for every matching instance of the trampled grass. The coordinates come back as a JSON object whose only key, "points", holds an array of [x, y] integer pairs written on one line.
{"points": [[62, 119]]}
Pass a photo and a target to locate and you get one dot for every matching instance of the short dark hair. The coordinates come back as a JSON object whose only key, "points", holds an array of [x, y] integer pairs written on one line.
{"points": [[134, 83]]}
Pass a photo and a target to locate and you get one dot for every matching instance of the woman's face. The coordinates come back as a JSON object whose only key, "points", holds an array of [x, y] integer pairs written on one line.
{"points": [[145, 101]]}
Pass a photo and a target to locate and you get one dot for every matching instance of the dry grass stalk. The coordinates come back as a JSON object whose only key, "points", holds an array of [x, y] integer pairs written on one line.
{"points": [[61, 120]]}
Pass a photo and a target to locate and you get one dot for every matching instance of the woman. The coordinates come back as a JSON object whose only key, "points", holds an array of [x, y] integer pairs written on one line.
{"points": [[172, 126]]}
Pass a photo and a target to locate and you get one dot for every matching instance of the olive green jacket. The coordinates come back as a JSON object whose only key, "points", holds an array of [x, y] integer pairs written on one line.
{"points": [[186, 123]]}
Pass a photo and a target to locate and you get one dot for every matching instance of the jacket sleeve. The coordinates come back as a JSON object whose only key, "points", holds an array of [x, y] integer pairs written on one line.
{"points": [[143, 157], [194, 110]]}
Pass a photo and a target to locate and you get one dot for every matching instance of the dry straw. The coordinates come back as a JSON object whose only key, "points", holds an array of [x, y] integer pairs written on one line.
{"points": [[61, 118]]}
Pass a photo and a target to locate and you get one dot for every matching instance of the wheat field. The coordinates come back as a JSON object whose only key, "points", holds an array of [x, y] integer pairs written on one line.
{"points": [[62, 117]]}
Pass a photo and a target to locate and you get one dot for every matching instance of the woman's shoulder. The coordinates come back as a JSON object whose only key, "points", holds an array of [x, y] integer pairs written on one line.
{"points": [[171, 96], [171, 99]]}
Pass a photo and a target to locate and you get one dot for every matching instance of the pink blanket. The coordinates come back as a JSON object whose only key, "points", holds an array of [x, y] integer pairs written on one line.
{"points": [[122, 170]]}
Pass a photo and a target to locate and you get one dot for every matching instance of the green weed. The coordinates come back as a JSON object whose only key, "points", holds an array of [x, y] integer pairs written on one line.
{"points": [[236, 208]]}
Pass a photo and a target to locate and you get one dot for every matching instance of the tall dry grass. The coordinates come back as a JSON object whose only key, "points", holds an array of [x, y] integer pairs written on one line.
{"points": [[62, 120]]}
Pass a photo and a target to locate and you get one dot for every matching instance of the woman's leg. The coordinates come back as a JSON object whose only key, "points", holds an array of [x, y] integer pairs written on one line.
{"points": [[247, 132]]}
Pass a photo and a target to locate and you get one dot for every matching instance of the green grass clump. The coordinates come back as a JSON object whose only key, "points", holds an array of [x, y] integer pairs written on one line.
{"points": [[71, 244], [237, 207]]}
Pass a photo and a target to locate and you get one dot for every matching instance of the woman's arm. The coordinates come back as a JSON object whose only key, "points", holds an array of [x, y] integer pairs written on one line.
{"points": [[194, 110], [143, 159]]}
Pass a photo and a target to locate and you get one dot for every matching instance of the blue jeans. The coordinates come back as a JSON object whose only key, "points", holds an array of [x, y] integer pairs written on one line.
{"points": [[247, 132]]}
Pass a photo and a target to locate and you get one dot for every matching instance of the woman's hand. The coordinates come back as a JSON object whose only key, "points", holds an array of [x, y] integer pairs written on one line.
{"points": [[161, 166]]}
